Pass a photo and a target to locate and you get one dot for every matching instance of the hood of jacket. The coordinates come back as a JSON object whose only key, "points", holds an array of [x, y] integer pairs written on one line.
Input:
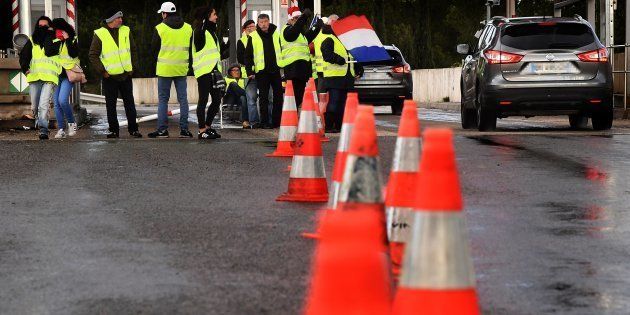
{"points": [[174, 21], [272, 29]]}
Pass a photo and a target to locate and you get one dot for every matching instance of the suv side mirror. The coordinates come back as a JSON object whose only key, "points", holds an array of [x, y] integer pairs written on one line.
{"points": [[463, 49]]}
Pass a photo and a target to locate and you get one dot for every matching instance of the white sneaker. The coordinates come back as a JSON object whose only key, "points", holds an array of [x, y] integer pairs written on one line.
{"points": [[60, 134], [72, 129]]}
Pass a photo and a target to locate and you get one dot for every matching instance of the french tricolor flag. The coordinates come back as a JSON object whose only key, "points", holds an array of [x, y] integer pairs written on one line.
{"points": [[356, 33]]}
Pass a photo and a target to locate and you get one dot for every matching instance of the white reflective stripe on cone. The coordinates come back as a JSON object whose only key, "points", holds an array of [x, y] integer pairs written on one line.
{"points": [[361, 180], [344, 138], [308, 122], [399, 220], [407, 154], [307, 167], [438, 256], [289, 104], [287, 133], [335, 188]]}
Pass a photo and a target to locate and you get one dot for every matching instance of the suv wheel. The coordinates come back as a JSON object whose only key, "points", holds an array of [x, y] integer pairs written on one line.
{"points": [[578, 121], [397, 107], [469, 117], [602, 120], [486, 118]]}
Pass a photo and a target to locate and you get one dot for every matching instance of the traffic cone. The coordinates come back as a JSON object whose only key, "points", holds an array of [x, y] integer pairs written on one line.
{"points": [[310, 92], [307, 180], [362, 183], [349, 274], [349, 115], [288, 125], [437, 275], [400, 195]]}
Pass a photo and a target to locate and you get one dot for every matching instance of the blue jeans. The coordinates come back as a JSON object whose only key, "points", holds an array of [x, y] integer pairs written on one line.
{"points": [[62, 103], [164, 93], [41, 93], [252, 101]]}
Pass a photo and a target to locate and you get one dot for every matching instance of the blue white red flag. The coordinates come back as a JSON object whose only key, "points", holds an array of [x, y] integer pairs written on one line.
{"points": [[356, 33]]}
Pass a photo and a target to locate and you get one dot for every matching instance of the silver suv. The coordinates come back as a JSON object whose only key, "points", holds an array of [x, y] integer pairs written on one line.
{"points": [[536, 66]]}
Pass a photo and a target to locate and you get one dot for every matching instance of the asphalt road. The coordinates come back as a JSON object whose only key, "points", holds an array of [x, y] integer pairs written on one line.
{"points": [[180, 226]]}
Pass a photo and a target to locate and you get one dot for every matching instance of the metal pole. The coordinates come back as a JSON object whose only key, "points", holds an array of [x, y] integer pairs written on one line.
{"points": [[488, 12], [48, 8], [625, 58], [317, 7], [15, 17], [275, 12], [25, 17], [591, 12], [234, 21]]}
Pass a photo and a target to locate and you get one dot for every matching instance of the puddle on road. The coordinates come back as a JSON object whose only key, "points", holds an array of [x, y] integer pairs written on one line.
{"points": [[587, 220]]}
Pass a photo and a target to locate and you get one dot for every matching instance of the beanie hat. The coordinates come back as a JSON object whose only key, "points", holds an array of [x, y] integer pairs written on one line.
{"points": [[112, 14]]}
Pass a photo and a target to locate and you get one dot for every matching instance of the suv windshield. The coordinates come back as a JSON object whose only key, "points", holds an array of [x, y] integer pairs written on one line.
{"points": [[547, 36], [395, 59]]}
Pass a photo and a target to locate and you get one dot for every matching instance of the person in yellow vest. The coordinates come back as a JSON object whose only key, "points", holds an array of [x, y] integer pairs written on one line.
{"points": [[113, 55], [235, 92], [317, 47], [262, 63], [39, 60], [296, 56], [340, 71], [68, 57], [251, 88], [208, 51], [171, 45]]}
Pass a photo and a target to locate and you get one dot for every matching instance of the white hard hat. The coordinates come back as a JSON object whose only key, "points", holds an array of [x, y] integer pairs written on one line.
{"points": [[167, 7]]}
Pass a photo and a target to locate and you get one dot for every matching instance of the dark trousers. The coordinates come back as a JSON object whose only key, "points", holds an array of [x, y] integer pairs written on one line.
{"points": [[335, 108], [236, 95], [111, 88], [273, 80], [204, 87], [298, 88]]}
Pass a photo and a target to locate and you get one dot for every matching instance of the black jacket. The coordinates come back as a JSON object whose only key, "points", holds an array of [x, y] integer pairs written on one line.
{"points": [[271, 65], [176, 22], [301, 69], [200, 39], [329, 55], [50, 49], [240, 52]]}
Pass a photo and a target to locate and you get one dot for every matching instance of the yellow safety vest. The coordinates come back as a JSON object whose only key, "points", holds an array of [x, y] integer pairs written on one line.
{"points": [[207, 58], [174, 52], [42, 67], [229, 80], [244, 39], [67, 62], [335, 70], [295, 50], [115, 58], [259, 50], [317, 45]]}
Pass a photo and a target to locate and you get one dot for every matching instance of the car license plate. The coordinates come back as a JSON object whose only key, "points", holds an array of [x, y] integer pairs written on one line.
{"points": [[552, 68]]}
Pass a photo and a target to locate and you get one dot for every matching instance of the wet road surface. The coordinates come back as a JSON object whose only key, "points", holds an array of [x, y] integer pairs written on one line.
{"points": [[181, 226]]}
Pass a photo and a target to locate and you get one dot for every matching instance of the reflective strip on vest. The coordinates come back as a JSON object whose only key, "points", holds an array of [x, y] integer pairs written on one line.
{"points": [[209, 57], [115, 58], [438, 255], [317, 45], [173, 57], [239, 82], [42, 67], [307, 167], [407, 154], [335, 70]]}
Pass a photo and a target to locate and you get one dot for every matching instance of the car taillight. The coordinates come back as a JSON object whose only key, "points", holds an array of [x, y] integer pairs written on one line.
{"points": [[502, 57], [401, 69], [598, 55]]}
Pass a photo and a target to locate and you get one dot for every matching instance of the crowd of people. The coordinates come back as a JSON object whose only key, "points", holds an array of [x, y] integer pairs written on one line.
{"points": [[266, 55]]}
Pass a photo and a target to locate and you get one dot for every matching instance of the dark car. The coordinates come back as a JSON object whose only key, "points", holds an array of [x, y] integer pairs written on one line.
{"points": [[536, 66], [386, 82]]}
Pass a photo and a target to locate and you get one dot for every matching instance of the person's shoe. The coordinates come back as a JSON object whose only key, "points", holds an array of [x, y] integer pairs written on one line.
{"points": [[159, 134], [246, 125], [60, 134], [206, 135], [213, 133], [43, 136], [112, 135], [135, 134], [185, 133], [72, 129]]}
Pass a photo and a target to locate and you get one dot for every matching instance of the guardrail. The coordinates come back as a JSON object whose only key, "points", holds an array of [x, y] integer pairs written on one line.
{"points": [[94, 98]]}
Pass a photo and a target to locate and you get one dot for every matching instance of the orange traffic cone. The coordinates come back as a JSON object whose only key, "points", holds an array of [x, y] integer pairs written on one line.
{"points": [[349, 274], [307, 180], [288, 125], [437, 275], [362, 183], [310, 92], [400, 195]]}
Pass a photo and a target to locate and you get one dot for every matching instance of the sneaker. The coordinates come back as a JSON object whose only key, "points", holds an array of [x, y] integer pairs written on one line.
{"points": [[214, 133], [185, 133], [60, 134], [135, 134], [112, 135], [246, 125], [72, 129], [43, 136], [206, 135], [159, 134]]}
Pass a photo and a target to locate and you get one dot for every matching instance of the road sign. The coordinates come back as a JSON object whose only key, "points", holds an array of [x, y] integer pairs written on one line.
{"points": [[17, 81]]}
